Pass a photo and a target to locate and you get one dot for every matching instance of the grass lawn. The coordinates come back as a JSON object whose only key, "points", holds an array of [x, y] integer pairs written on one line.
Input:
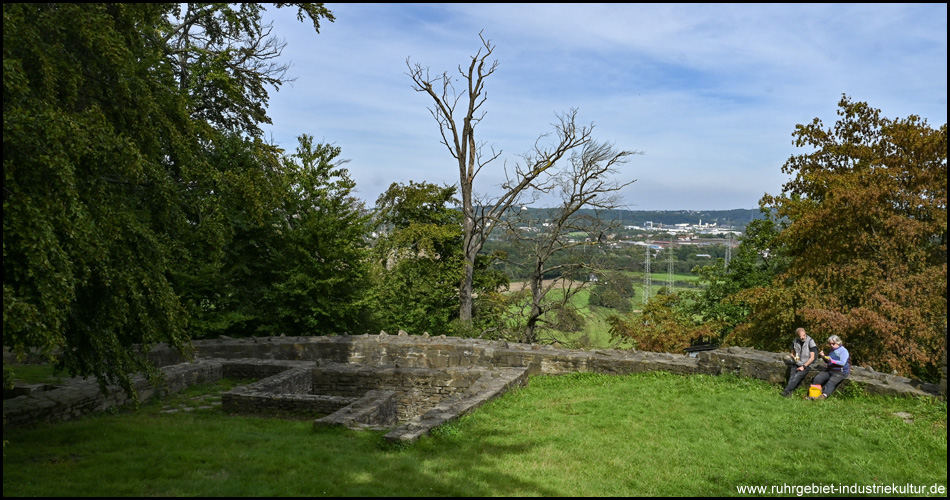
{"points": [[577, 435]]}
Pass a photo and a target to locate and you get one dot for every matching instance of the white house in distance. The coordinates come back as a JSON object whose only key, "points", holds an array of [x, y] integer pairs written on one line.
{"points": [[701, 234], [700, 228]]}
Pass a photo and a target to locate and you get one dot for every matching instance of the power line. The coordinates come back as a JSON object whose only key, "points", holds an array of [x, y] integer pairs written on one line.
{"points": [[669, 266], [647, 278]]}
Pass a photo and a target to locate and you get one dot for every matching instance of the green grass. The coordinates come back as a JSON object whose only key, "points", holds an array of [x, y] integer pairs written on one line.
{"points": [[596, 334], [34, 373], [663, 276], [578, 435]]}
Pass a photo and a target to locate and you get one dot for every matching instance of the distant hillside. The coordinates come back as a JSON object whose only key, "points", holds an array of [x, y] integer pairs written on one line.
{"points": [[737, 218]]}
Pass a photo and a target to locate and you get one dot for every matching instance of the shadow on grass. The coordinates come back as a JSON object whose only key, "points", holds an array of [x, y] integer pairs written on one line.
{"points": [[589, 435], [207, 453], [441, 465]]}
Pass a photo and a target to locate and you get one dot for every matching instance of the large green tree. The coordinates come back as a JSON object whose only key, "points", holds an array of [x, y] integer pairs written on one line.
{"points": [[417, 257], [419, 261], [756, 262], [321, 267], [235, 209], [96, 139], [295, 264], [107, 160], [864, 224]]}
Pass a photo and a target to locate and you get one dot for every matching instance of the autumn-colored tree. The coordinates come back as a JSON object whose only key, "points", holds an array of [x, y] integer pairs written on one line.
{"points": [[665, 325], [865, 226]]}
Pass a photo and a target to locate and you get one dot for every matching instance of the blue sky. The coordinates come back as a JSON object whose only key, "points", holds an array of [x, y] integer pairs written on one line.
{"points": [[710, 94]]}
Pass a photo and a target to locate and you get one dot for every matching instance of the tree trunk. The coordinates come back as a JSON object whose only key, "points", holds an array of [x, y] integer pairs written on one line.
{"points": [[465, 293]]}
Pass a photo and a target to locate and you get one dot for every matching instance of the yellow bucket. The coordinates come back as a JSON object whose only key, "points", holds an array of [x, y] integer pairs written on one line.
{"points": [[814, 391]]}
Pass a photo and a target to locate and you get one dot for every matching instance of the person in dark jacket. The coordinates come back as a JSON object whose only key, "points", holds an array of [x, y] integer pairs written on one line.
{"points": [[837, 369], [804, 354]]}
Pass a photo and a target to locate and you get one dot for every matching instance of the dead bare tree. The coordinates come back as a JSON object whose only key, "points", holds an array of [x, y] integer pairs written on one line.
{"points": [[457, 127], [588, 182]]}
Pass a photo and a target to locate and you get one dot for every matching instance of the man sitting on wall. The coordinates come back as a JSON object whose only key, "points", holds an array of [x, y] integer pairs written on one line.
{"points": [[800, 361]]}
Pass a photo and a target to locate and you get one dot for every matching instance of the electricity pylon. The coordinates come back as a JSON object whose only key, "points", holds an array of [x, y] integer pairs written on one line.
{"points": [[669, 266], [647, 278]]}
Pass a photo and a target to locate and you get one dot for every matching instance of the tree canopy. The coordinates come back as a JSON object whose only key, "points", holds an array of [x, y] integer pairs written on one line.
{"points": [[224, 58], [95, 139], [114, 179], [418, 259], [864, 224]]}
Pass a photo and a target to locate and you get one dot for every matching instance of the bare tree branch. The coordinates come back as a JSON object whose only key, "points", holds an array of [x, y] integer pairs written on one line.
{"points": [[587, 182], [534, 176]]}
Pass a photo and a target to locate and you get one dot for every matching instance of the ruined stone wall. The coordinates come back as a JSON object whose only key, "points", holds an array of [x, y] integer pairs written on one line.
{"points": [[287, 392], [416, 389], [404, 351], [77, 396], [395, 356]]}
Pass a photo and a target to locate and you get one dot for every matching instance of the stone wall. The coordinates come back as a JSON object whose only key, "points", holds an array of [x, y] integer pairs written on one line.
{"points": [[78, 396], [375, 410], [427, 380], [416, 390], [440, 352], [285, 389]]}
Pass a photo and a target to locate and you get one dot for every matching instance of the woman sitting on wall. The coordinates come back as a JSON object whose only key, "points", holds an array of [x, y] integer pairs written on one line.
{"points": [[837, 369]]}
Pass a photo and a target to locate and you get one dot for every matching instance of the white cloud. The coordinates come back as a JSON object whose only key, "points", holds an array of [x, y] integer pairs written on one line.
{"points": [[710, 93]]}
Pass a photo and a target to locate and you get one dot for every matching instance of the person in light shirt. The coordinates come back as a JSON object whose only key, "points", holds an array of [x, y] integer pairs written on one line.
{"points": [[837, 369]]}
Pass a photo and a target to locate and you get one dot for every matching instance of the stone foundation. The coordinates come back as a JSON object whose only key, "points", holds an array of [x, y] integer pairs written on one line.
{"points": [[287, 393], [78, 396], [408, 384]]}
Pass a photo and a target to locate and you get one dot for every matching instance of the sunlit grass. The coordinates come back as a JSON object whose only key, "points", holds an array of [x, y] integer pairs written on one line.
{"points": [[577, 435]]}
